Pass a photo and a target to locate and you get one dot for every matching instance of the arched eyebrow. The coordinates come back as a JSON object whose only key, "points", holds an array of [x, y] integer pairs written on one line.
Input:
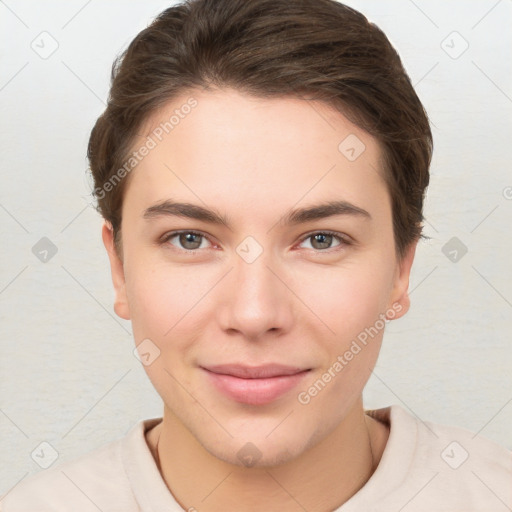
{"points": [[291, 218]]}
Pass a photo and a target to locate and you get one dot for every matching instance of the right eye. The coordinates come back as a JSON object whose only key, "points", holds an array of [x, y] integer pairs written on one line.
{"points": [[188, 240]]}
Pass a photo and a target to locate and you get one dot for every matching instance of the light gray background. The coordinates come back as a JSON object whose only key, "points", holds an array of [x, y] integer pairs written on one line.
{"points": [[68, 376]]}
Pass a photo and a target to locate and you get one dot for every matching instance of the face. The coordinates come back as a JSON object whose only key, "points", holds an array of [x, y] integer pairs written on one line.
{"points": [[275, 280]]}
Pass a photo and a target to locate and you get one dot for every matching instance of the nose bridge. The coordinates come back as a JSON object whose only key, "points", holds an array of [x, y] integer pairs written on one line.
{"points": [[256, 300], [252, 274]]}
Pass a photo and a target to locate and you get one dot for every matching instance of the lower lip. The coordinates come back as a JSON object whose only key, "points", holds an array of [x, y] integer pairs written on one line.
{"points": [[255, 391]]}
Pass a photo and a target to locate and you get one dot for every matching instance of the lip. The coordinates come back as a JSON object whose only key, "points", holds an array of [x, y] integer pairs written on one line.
{"points": [[255, 372], [254, 385]]}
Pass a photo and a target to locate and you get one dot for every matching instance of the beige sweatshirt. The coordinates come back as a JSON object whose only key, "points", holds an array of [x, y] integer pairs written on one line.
{"points": [[425, 467]]}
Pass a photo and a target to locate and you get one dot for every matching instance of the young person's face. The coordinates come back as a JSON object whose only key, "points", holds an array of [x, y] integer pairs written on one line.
{"points": [[262, 290]]}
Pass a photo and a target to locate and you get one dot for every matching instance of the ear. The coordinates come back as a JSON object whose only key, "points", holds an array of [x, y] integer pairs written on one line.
{"points": [[400, 301], [116, 266]]}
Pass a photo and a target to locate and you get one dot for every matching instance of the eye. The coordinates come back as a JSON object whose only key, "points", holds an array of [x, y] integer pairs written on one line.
{"points": [[191, 241], [188, 240], [322, 240]]}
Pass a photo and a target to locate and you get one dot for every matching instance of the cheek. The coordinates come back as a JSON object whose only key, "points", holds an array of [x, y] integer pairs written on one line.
{"points": [[166, 302], [347, 299], [160, 302], [353, 309], [156, 299]]}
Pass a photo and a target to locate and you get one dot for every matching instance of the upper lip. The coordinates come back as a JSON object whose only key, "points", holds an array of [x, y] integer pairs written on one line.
{"points": [[255, 372]]}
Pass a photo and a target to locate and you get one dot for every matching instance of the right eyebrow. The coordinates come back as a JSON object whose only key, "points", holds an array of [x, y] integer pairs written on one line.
{"points": [[187, 210]]}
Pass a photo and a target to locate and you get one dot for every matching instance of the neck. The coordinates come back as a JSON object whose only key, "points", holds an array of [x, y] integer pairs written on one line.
{"points": [[320, 479]]}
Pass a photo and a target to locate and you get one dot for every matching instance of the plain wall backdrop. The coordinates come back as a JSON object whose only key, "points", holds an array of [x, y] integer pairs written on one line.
{"points": [[68, 375]]}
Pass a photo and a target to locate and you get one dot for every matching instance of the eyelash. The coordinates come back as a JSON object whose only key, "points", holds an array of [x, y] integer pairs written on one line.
{"points": [[343, 239]]}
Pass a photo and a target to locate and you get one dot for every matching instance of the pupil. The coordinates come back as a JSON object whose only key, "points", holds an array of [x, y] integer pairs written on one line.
{"points": [[189, 238], [322, 238]]}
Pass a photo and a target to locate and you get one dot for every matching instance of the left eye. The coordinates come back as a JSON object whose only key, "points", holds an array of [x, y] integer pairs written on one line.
{"points": [[322, 240]]}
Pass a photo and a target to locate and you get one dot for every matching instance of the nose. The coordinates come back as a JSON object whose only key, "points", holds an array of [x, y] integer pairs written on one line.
{"points": [[257, 299]]}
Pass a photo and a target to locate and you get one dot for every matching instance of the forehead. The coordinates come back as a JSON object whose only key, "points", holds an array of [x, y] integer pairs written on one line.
{"points": [[225, 145]]}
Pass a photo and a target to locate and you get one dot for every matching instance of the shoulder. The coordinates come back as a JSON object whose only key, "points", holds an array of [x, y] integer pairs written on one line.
{"points": [[467, 463], [456, 448], [89, 482], [461, 445], [445, 467]]}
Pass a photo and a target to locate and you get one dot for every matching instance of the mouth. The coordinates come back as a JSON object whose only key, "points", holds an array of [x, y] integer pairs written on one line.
{"points": [[254, 385]]}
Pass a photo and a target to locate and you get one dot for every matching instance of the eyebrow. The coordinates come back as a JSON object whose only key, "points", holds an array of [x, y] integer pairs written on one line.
{"points": [[293, 217]]}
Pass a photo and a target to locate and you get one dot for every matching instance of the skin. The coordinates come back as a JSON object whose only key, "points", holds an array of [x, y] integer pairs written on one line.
{"points": [[298, 303]]}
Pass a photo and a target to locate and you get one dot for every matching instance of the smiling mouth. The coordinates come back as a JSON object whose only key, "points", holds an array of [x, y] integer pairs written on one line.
{"points": [[255, 385]]}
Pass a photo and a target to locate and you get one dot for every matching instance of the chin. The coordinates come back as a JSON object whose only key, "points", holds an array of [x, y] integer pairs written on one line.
{"points": [[249, 456], [259, 450]]}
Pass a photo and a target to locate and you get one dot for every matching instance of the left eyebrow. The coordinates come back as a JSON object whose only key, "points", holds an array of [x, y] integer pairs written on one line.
{"points": [[322, 211], [293, 217]]}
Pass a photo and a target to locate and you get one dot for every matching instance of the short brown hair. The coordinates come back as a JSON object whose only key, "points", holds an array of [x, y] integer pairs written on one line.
{"points": [[270, 48]]}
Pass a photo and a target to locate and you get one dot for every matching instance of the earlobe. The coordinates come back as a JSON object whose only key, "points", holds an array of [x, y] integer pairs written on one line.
{"points": [[121, 307], [400, 301]]}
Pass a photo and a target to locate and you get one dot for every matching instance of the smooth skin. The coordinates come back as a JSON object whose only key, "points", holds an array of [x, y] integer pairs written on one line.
{"points": [[301, 302]]}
